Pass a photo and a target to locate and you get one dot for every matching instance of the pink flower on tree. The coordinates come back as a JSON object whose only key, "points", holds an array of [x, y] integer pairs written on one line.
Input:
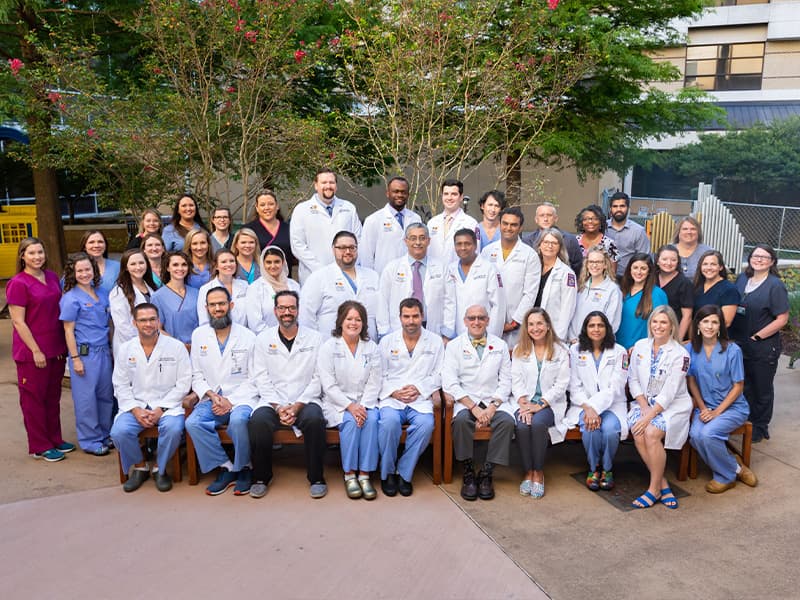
{"points": [[251, 36], [91, 132], [238, 27], [231, 90], [552, 4], [54, 97], [299, 55], [15, 65]]}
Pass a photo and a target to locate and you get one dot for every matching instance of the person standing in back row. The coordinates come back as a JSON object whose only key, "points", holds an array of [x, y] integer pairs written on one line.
{"points": [[629, 236], [443, 227]]}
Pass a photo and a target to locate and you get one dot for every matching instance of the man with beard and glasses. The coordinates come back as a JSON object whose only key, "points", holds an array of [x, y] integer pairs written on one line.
{"points": [[629, 236], [222, 377]]}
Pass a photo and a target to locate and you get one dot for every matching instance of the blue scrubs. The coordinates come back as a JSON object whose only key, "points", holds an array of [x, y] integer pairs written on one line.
{"points": [[715, 376], [173, 240], [110, 275], [198, 279], [92, 392], [178, 315], [632, 328]]}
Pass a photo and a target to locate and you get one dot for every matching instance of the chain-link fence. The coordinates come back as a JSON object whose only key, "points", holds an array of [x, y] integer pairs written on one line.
{"points": [[778, 226]]}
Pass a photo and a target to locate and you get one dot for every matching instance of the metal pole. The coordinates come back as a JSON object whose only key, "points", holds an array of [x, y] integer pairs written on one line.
{"points": [[780, 230]]}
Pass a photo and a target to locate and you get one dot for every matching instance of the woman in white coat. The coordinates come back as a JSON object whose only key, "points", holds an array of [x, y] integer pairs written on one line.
{"points": [[659, 418], [225, 267], [261, 293], [539, 380], [598, 373], [558, 286], [597, 290], [134, 286], [349, 369]]}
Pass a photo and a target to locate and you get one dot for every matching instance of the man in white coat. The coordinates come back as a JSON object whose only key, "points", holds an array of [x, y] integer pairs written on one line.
{"points": [[315, 222], [326, 289], [382, 236], [412, 365], [471, 280], [477, 374], [415, 275], [222, 378], [520, 268], [152, 373], [443, 226], [289, 391]]}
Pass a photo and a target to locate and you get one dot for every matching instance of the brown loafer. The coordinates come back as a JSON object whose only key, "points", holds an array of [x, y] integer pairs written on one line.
{"points": [[745, 474], [715, 487]]}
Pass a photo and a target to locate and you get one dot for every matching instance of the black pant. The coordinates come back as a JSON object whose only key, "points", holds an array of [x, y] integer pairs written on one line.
{"points": [[760, 366], [261, 428], [533, 439]]}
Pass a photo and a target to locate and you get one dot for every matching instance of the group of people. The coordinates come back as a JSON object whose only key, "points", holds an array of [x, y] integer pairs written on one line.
{"points": [[527, 335]]}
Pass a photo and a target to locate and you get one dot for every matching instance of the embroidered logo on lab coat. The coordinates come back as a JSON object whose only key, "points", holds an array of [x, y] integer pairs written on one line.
{"points": [[685, 366], [339, 285], [499, 281], [387, 226], [272, 348], [203, 350], [400, 276], [570, 279]]}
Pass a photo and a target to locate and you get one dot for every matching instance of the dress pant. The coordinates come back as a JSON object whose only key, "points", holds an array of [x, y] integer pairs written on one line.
{"points": [[760, 366], [502, 426]]}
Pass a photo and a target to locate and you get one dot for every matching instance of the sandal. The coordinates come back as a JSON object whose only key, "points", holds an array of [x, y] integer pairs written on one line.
{"points": [[668, 499], [607, 482], [537, 489], [646, 500], [593, 480]]}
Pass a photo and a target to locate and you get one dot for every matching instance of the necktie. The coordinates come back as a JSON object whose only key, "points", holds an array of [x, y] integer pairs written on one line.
{"points": [[448, 221], [329, 208], [399, 217], [416, 282]]}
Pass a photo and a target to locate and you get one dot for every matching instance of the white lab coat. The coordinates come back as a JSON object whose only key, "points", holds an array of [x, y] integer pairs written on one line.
{"points": [[559, 297], [442, 247], [239, 299], [347, 378], [520, 272], [311, 232], [260, 304], [482, 379], [484, 286], [158, 382], [602, 388], [605, 297], [668, 387], [326, 289], [285, 377], [230, 373], [422, 369], [396, 285], [120, 311], [554, 380], [382, 238]]}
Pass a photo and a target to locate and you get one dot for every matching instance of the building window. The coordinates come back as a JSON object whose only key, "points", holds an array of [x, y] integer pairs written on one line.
{"points": [[739, 2], [725, 66]]}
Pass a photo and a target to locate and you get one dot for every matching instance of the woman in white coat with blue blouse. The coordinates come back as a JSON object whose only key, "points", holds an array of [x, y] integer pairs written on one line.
{"points": [[659, 418], [349, 370], [598, 374], [539, 380]]}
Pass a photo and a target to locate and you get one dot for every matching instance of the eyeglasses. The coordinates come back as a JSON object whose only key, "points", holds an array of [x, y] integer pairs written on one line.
{"points": [[595, 262], [590, 220], [548, 243], [760, 257], [415, 239], [286, 308], [476, 318], [346, 248]]}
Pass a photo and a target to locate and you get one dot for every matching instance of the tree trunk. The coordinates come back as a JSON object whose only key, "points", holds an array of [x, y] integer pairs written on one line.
{"points": [[513, 178]]}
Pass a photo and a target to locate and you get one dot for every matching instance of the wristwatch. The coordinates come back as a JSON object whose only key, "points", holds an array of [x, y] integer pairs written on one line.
{"points": [[496, 402]]}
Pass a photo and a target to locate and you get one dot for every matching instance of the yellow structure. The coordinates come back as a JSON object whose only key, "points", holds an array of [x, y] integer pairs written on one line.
{"points": [[16, 224]]}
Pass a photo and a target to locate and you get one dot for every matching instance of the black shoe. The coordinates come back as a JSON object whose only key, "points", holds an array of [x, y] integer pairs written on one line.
{"points": [[485, 487], [389, 485], [163, 482], [758, 437], [136, 480], [469, 489], [404, 487]]}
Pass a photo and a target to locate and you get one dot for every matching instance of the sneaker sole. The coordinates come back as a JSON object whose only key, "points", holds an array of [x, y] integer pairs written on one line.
{"points": [[46, 459], [241, 492], [222, 491], [66, 451]]}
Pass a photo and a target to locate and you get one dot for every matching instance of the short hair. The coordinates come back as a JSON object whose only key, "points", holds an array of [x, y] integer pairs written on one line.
{"points": [[525, 345], [411, 303], [271, 194], [673, 321], [547, 204], [283, 293], [773, 269], [89, 233], [344, 308], [585, 344], [453, 183], [497, 195], [69, 270], [324, 170], [596, 211], [466, 231], [23, 245], [514, 211], [245, 232], [397, 178], [699, 278], [144, 306], [693, 221], [214, 212], [344, 233], [667, 248], [620, 196], [218, 288], [417, 225], [697, 338], [556, 233], [156, 214]]}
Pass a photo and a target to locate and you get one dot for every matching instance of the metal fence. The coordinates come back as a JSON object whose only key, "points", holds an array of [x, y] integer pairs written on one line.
{"points": [[778, 226]]}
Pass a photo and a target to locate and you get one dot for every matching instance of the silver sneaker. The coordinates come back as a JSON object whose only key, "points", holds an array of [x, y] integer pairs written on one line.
{"points": [[317, 490], [259, 489]]}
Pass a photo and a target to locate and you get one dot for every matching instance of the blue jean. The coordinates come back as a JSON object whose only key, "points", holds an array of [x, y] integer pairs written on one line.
{"points": [[359, 445], [709, 441], [202, 426], [418, 434], [93, 397], [125, 433], [602, 443]]}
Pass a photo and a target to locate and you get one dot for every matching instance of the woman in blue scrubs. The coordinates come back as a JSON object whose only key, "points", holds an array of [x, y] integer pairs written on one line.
{"points": [[176, 301]]}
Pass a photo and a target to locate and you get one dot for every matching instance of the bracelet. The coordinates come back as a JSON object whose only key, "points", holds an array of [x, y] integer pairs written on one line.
{"points": [[74, 357]]}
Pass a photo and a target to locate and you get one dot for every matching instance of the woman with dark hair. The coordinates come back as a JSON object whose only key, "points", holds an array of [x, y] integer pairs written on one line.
{"points": [[674, 284], [185, 218], [349, 369], [716, 381], [598, 374], [688, 239], [590, 223], [201, 258], [176, 301], [134, 285], [659, 417], [38, 349], [763, 311], [247, 251], [261, 294], [221, 223], [640, 295], [490, 204], [149, 222], [597, 290], [84, 312], [153, 248], [711, 286], [95, 244], [539, 380], [270, 227], [225, 276]]}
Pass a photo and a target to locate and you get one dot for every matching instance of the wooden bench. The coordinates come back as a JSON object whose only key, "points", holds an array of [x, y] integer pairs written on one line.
{"points": [[151, 433], [287, 436], [746, 431]]}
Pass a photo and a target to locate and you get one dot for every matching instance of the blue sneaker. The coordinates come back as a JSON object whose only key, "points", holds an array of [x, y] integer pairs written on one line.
{"points": [[65, 447], [244, 480], [51, 455], [220, 485]]}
